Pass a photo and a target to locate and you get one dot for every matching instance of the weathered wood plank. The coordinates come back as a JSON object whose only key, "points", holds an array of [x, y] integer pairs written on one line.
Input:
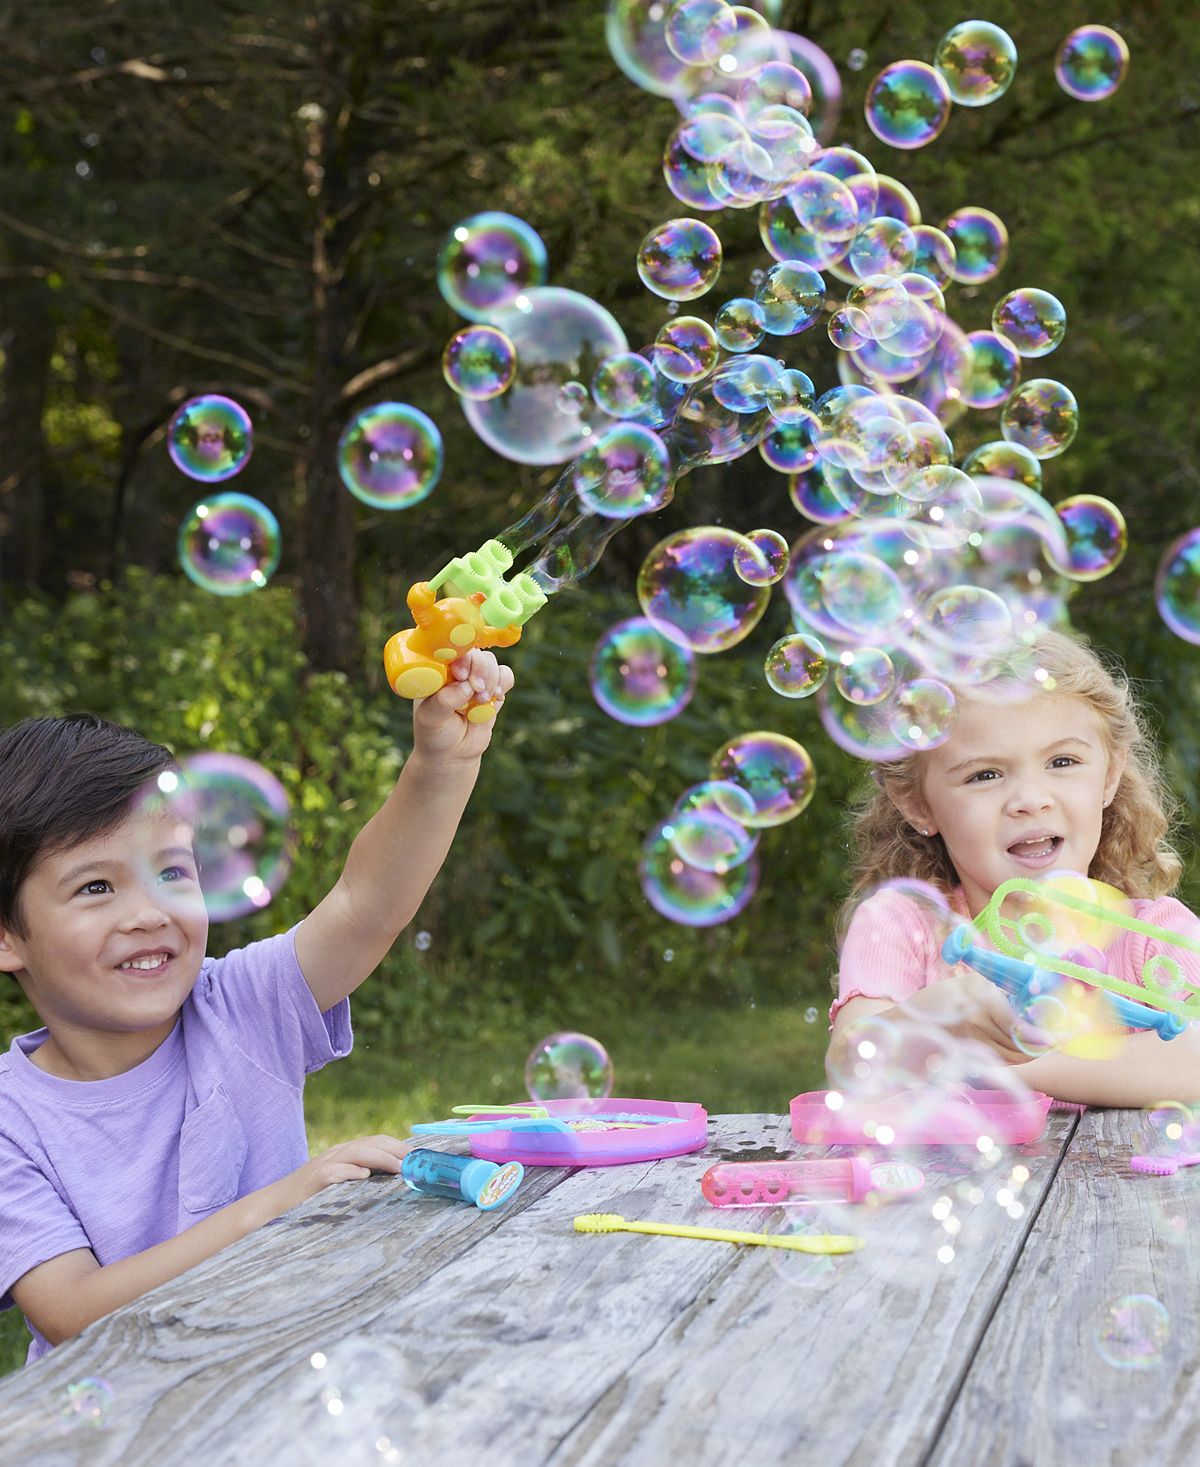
{"points": [[1038, 1390]]}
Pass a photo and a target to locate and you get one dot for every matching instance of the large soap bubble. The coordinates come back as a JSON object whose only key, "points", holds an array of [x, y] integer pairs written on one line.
{"points": [[560, 337], [680, 260], [487, 261], [568, 1066], [229, 544], [775, 771], [210, 438], [908, 104], [978, 61], [689, 588], [1091, 63], [688, 894], [390, 455], [640, 677], [1177, 587]]}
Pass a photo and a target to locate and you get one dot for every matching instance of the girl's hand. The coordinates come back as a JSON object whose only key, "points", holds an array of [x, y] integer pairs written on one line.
{"points": [[971, 1007], [439, 729]]}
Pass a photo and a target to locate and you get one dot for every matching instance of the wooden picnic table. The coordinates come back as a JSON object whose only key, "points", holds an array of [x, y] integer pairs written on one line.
{"points": [[372, 1325]]}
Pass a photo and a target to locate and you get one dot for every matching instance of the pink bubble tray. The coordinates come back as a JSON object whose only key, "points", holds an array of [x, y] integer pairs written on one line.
{"points": [[605, 1132], [953, 1118]]}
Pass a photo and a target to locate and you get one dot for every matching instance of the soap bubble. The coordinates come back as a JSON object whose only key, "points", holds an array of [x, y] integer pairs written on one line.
{"points": [[1091, 63], [791, 447], [1033, 320], [936, 255], [849, 328], [638, 676], [740, 324], [856, 59], [791, 296], [848, 594], [896, 201], [1042, 416], [978, 62], [1177, 587], [572, 399], [88, 1402], [1096, 536], [680, 260], [487, 261], [560, 337], [921, 713], [568, 1066], [825, 206], [697, 31], [763, 559], [790, 395], [686, 349], [883, 246], [690, 590], [390, 455], [624, 385], [241, 817], [995, 370], [813, 497], [864, 675], [229, 544], [741, 384], [796, 666], [626, 472], [479, 362], [907, 105], [1003, 460], [704, 834], [980, 242], [685, 894], [692, 182], [210, 438], [1132, 1332], [862, 729], [775, 771]]}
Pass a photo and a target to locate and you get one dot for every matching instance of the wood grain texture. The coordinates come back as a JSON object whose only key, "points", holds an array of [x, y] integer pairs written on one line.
{"points": [[1039, 1392], [454, 1336]]}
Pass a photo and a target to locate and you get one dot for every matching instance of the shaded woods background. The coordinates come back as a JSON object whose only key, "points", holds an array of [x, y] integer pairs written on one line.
{"points": [[248, 198]]}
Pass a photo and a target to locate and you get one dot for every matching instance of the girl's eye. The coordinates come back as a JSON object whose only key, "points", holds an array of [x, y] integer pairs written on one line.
{"points": [[983, 776], [94, 888], [176, 873], [1063, 761]]}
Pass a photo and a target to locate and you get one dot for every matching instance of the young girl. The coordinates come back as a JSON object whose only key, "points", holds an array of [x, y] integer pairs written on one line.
{"points": [[1059, 776]]}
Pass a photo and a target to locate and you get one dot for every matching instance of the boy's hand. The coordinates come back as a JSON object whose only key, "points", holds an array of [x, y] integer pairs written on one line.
{"points": [[350, 1161], [439, 729]]}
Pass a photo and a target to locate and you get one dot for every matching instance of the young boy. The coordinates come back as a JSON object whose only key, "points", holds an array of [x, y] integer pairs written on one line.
{"points": [[158, 1116]]}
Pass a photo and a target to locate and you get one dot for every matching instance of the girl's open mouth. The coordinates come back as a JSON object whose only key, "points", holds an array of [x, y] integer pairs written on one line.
{"points": [[1037, 851]]}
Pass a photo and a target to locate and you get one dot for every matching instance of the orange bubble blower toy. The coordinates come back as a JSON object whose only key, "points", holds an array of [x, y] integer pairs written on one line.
{"points": [[467, 604]]}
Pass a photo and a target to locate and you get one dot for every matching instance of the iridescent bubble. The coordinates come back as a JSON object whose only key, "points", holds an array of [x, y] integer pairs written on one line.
{"points": [[936, 255], [1042, 416], [626, 472], [790, 446], [849, 328], [210, 438], [390, 455], [966, 628], [850, 594], [896, 201], [861, 729], [693, 182], [856, 59], [712, 136], [1177, 587], [813, 497], [689, 589], [244, 839], [697, 31], [704, 834], [980, 242], [568, 1067], [686, 349], [775, 84], [796, 666], [487, 261], [883, 247], [763, 559], [229, 544], [864, 675], [680, 260], [1132, 1332], [785, 238], [624, 385], [775, 771], [1096, 537], [790, 396], [572, 399], [1033, 320], [740, 324], [638, 676], [907, 105], [559, 337], [741, 383], [685, 894], [791, 296], [88, 1401], [825, 206], [978, 61], [995, 370], [883, 301], [1002, 460], [921, 713], [479, 362], [1091, 63]]}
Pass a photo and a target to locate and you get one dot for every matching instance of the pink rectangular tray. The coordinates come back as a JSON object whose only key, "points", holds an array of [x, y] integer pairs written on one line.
{"points": [[675, 1127], [957, 1119]]}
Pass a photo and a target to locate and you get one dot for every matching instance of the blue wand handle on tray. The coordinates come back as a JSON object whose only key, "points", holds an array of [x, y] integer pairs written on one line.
{"points": [[1023, 982]]}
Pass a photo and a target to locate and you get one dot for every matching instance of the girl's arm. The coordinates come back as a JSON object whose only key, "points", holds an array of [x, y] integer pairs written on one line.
{"points": [[1146, 1071], [399, 851]]}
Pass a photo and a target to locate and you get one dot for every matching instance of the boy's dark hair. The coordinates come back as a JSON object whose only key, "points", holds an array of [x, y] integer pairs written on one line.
{"points": [[63, 781]]}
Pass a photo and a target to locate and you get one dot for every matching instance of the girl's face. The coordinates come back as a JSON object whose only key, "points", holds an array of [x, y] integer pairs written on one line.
{"points": [[1017, 790]]}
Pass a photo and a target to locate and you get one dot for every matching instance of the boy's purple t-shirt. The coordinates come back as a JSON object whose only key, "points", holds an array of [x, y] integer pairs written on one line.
{"points": [[217, 1111]]}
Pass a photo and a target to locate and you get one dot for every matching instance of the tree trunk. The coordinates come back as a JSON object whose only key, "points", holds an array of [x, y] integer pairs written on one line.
{"points": [[26, 474]]}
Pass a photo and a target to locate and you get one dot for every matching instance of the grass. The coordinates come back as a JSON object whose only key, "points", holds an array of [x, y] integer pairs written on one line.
{"points": [[744, 1060]]}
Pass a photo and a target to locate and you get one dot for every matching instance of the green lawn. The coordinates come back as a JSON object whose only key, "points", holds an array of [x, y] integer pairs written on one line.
{"points": [[748, 1060]]}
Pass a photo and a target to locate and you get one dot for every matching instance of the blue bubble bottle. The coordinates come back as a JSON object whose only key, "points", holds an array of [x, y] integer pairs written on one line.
{"points": [[463, 1178]]}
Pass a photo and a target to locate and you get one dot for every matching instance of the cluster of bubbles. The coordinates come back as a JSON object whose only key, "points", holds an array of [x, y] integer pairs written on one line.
{"points": [[568, 1066]]}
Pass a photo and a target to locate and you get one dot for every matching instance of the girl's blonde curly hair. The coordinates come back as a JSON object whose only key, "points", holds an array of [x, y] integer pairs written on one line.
{"points": [[1135, 853]]}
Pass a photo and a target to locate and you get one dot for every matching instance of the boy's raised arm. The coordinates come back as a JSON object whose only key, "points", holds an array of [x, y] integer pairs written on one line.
{"points": [[400, 850]]}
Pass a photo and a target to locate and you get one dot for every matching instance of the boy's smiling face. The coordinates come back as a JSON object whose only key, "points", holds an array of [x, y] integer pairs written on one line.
{"points": [[115, 932]]}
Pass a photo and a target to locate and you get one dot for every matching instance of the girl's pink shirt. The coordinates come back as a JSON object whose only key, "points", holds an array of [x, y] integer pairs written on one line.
{"points": [[893, 946]]}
